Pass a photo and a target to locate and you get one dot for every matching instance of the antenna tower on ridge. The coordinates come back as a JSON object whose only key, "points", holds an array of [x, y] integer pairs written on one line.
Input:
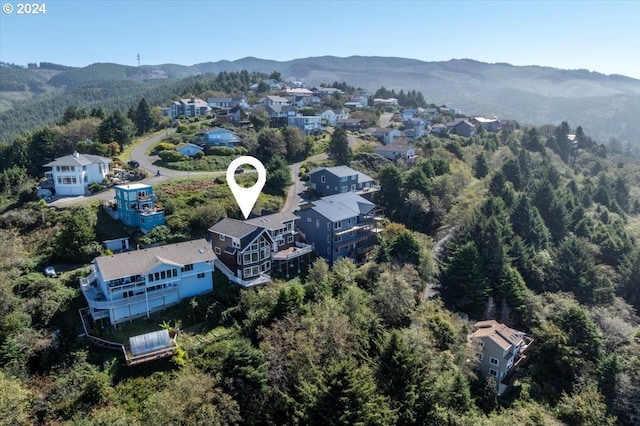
{"points": [[138, 59]]}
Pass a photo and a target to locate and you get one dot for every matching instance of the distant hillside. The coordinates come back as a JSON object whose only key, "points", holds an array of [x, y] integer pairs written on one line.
{"points": [[606, 106]]}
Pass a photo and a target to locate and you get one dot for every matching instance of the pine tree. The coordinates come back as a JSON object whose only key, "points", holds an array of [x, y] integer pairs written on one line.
{"points": [[527, 223], [143, 118], [481, 168], [116, 128], [339, 150], [463, 280]]}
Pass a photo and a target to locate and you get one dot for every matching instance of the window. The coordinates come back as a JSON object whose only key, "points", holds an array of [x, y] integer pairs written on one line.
{"points": [[338, 224], [201, 275], [493, 372], [322, 179], [344, 189], [187, 268], [493, 361], [308, 219], [250, 272], [150, 277], [290, 239], [221, 237], [328, 238], [317, 223], [217, 250]]}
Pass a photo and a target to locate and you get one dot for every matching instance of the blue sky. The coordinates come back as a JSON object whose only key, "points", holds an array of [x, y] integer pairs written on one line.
{"points": [[601, 36]]}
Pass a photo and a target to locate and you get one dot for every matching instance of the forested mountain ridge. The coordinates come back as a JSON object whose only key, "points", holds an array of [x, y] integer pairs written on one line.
{"points": [[606, 105]]}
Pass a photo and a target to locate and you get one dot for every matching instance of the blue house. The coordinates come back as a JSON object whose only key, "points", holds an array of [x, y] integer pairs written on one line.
{"points": [[339, 179], [135, 206], [218, 136], [342, 225], [133, 284]]}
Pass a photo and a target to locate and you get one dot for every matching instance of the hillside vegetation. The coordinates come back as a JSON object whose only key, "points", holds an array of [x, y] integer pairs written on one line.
{"points": [[541, 234]]}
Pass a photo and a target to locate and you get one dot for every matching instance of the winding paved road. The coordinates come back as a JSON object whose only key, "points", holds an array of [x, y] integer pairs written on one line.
{"points": [[139, 154]]}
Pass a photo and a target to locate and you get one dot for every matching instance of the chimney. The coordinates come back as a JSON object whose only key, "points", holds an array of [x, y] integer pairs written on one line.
{"points": [[75, 154]]}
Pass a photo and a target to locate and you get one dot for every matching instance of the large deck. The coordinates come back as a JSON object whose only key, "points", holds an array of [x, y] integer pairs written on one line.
{"points": [[129, 358]]}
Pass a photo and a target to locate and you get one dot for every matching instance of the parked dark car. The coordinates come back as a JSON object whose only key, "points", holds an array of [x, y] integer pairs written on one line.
{"points": [[133, 164]]}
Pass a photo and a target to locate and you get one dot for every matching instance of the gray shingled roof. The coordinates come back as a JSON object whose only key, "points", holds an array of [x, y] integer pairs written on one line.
{"points": [[139, 262], [342, 206], [79, 160], [233, 228], [272, 221]]}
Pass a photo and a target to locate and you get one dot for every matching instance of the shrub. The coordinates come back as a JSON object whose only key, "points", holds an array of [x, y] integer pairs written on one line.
{"points": [[171, 156], [164, 146], [220, 150]]}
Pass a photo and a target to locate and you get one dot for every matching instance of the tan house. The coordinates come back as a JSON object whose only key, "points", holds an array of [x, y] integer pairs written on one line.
{"points": [[501, 351]]}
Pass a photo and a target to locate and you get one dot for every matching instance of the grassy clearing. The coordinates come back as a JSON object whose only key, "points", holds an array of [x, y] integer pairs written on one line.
{"points": [[212, 163]]}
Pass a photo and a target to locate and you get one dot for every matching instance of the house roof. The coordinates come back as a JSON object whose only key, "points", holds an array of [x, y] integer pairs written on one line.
{"points": [[485, 120], [185, 145], [276, 98], [133, 186], [216, 129], [500, 334], [272, 221], [393, 147], [342, 206], [350, 120], [233, 228], [139, 262], [77, 159], [343, 171], [459, 122]]}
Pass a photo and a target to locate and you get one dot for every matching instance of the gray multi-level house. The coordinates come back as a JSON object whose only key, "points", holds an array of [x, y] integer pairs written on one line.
{"points": [[501, 351], [341, 225], [340, 179], [247, 251]]}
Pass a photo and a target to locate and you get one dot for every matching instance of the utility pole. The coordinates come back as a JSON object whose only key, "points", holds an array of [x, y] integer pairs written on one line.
{"points": [[138, 59]]}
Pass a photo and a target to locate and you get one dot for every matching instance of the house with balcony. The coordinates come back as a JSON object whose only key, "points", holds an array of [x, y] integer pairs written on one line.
{"points": [[133, 284], [308, 124], [461, 127], [339, 179], [135, 205], [331, 116], [217, 136], [397, 151], [386, 135], [501, 351], [72, 174], [342, 225], [248, 251], [193, 107], [489, 124], [354, 124], [228, 102], [280, 114]]}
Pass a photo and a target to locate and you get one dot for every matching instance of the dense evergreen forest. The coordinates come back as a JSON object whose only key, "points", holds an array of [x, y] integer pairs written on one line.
{"points": [[537, 228], [111, 88]]}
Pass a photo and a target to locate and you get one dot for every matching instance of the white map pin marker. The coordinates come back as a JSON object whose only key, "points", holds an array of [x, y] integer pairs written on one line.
{"points": [[246, 197]]}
